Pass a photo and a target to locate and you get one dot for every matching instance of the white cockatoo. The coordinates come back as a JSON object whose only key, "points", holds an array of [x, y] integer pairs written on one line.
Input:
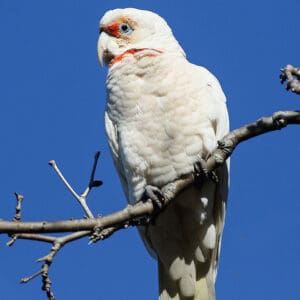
{"points": [[163, 114]]}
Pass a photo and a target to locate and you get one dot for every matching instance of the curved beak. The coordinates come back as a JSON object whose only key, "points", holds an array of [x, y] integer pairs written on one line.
{"points": [[104, 43], [102, 47]]}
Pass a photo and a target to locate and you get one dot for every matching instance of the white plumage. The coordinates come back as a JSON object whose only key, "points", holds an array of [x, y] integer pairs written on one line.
{"points": [[163, 113]]}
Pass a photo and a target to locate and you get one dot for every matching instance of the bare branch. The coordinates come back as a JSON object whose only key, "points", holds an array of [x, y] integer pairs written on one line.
{"points": [[144, 209], [57, 242], [92, 183], [292, 76], [102, 227], [81, 200], [33, 237]]}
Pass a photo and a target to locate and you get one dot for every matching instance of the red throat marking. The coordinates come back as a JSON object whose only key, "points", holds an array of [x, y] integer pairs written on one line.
{"points": [[132, 52]]}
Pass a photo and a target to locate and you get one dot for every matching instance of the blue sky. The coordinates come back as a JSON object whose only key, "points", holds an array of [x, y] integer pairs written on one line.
{"points": [[52, 101]]}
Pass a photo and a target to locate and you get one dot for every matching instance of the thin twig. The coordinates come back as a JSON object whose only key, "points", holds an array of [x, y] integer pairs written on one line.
{"points": [[27, 279], [92, 183], [57, 242], [53, 164], [33, 237]]}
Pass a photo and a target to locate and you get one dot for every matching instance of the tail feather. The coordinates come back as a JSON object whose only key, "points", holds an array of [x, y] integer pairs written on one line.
{"points": [[203, 288], [167, 287], [186, 239], [184, 248], [187, 280]]}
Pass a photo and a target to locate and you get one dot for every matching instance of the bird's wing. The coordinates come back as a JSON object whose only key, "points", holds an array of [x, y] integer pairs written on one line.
{"points": [[186, 244], [112, 133]]}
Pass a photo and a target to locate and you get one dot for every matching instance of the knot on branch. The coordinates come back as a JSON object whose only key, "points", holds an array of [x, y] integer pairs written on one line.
{"points": [[100, 233], [96, 235], [291, 74], [17, 216], [224, 149], [279, 120], [47, 285]]}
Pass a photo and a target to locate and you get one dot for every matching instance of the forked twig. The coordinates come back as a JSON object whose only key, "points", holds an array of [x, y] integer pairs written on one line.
{"points": [[57, 242], [81, 200]]}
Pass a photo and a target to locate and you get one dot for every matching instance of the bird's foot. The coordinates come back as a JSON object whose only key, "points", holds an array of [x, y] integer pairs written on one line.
{"points": [[202, 174], [155, 195]]}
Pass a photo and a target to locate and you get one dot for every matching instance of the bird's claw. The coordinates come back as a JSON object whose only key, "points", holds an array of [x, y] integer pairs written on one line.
{"points": [[155, 194], [202, 174]]}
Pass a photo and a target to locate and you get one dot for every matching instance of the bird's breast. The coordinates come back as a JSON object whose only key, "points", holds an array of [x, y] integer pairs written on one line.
{"points": [[159, 123]]}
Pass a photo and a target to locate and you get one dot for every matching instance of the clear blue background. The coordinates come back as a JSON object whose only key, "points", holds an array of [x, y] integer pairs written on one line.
{"points": [[52, 97]]}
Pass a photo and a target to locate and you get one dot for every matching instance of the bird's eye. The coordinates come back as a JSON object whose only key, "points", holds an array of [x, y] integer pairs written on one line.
{"points": [[125, 28]]}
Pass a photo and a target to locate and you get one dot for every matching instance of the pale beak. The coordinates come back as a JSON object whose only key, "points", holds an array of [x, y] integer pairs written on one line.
{"points": [[102, 46], [106, 46]]}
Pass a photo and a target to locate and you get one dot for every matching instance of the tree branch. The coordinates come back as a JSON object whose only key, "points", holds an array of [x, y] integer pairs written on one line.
{"points": [[144, 209], [101, 228], [57, 242]]}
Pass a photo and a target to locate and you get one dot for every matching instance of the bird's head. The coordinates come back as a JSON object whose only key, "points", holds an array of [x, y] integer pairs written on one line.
{"points": [[125, 30]]}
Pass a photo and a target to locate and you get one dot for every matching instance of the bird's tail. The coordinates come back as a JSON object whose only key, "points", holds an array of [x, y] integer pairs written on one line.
{"points": [[186, 238], [170, 289]]}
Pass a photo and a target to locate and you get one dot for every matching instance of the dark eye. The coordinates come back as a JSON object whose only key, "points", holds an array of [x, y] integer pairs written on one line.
{"points": [[125, 28]]}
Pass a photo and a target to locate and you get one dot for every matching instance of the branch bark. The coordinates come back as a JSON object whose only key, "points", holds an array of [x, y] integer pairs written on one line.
{"points": [[130, 214]]}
